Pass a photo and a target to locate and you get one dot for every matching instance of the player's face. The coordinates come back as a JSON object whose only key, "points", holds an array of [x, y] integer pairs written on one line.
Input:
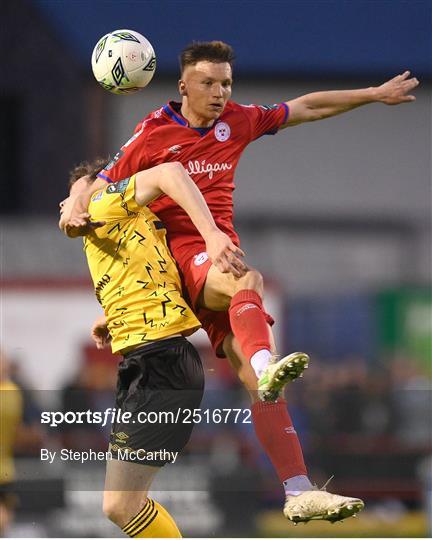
{"points": [[206, 87], [67, 204]]}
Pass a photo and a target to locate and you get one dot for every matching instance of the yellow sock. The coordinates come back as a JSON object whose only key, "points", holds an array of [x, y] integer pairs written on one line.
{"points": [[153, 521]]}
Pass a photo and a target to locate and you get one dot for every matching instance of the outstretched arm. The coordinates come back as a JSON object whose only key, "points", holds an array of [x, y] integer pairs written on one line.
{"points": [[319, 105], [173, 180]]}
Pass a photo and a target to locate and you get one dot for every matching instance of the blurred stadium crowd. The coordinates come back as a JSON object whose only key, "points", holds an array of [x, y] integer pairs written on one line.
{"points": [[366, 423]]}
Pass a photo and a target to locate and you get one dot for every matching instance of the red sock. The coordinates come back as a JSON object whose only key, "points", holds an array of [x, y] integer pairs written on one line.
{"points": [[275, 431], [248, 322]]}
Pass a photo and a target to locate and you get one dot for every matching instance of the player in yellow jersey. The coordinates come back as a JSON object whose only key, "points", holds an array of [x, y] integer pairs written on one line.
{"points": [[11, 409], [138, 285]]}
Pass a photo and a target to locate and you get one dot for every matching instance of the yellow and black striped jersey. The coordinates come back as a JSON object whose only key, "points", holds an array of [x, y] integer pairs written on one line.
{"points": [[135, 277]]}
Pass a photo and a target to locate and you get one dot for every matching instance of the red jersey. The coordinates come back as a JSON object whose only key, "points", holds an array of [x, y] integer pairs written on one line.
{"points": [[209, 155]]}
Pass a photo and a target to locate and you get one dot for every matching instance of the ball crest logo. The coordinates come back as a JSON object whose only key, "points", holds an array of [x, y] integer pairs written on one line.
{"points": [[222, 131]]}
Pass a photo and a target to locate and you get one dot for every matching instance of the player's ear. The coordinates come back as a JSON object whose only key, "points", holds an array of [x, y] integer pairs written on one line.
{"points": [[182, 87]]}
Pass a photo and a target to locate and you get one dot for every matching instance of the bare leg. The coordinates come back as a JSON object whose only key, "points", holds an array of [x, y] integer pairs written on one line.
{"points": [[126, 489], [219, 288]]}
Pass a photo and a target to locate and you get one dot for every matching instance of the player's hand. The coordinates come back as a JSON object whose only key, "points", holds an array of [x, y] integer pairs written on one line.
{"points": [[100, 334], [396, 90], [81, 225], [225, 255]]}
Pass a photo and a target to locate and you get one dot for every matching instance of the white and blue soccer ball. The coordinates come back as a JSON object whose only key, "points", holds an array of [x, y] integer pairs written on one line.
{"points": [[123, 61]]}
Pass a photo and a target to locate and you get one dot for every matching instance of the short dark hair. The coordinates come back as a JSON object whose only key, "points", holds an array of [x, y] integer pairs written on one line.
{"points": [[87, 168], [212, 51]]}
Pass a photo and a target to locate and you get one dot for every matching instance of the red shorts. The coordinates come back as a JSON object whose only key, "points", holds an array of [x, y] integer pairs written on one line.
{"points": [[215, 323], [194, 271]]}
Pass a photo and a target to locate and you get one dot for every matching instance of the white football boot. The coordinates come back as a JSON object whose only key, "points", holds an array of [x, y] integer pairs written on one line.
{"points": [[279, 372], [319, 504]]}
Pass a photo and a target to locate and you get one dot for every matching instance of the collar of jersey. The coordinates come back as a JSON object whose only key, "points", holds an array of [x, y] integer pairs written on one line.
{"points": [[169, 109]]}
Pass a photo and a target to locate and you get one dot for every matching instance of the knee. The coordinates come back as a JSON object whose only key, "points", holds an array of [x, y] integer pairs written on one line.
{"points": [[117, 510], [112, 511], [252, 280]]}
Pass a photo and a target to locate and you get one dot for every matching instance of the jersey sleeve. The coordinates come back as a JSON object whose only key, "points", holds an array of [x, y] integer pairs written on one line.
{"points": [[265, 119], [116, 201], [130, 159]]}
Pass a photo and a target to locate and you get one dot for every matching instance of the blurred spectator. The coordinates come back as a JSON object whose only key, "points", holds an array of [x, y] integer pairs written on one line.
{"points": [[412, 398], [11, 409], [30, 436], [424, 472], [92, 389]]}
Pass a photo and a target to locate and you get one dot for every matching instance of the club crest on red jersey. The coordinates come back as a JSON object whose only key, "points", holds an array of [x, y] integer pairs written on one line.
{"points": [[201, 258], [222, 131]]}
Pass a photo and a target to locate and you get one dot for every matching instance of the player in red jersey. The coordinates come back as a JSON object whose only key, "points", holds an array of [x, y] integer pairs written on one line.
{"points": [[207, 133]]}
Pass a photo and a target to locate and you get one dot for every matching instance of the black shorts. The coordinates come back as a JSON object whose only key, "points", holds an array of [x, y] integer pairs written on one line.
{"points": [[154, 383]]}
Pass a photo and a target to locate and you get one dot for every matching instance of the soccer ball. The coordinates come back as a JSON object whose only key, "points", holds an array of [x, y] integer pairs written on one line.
{"points": [[123, 61]]}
